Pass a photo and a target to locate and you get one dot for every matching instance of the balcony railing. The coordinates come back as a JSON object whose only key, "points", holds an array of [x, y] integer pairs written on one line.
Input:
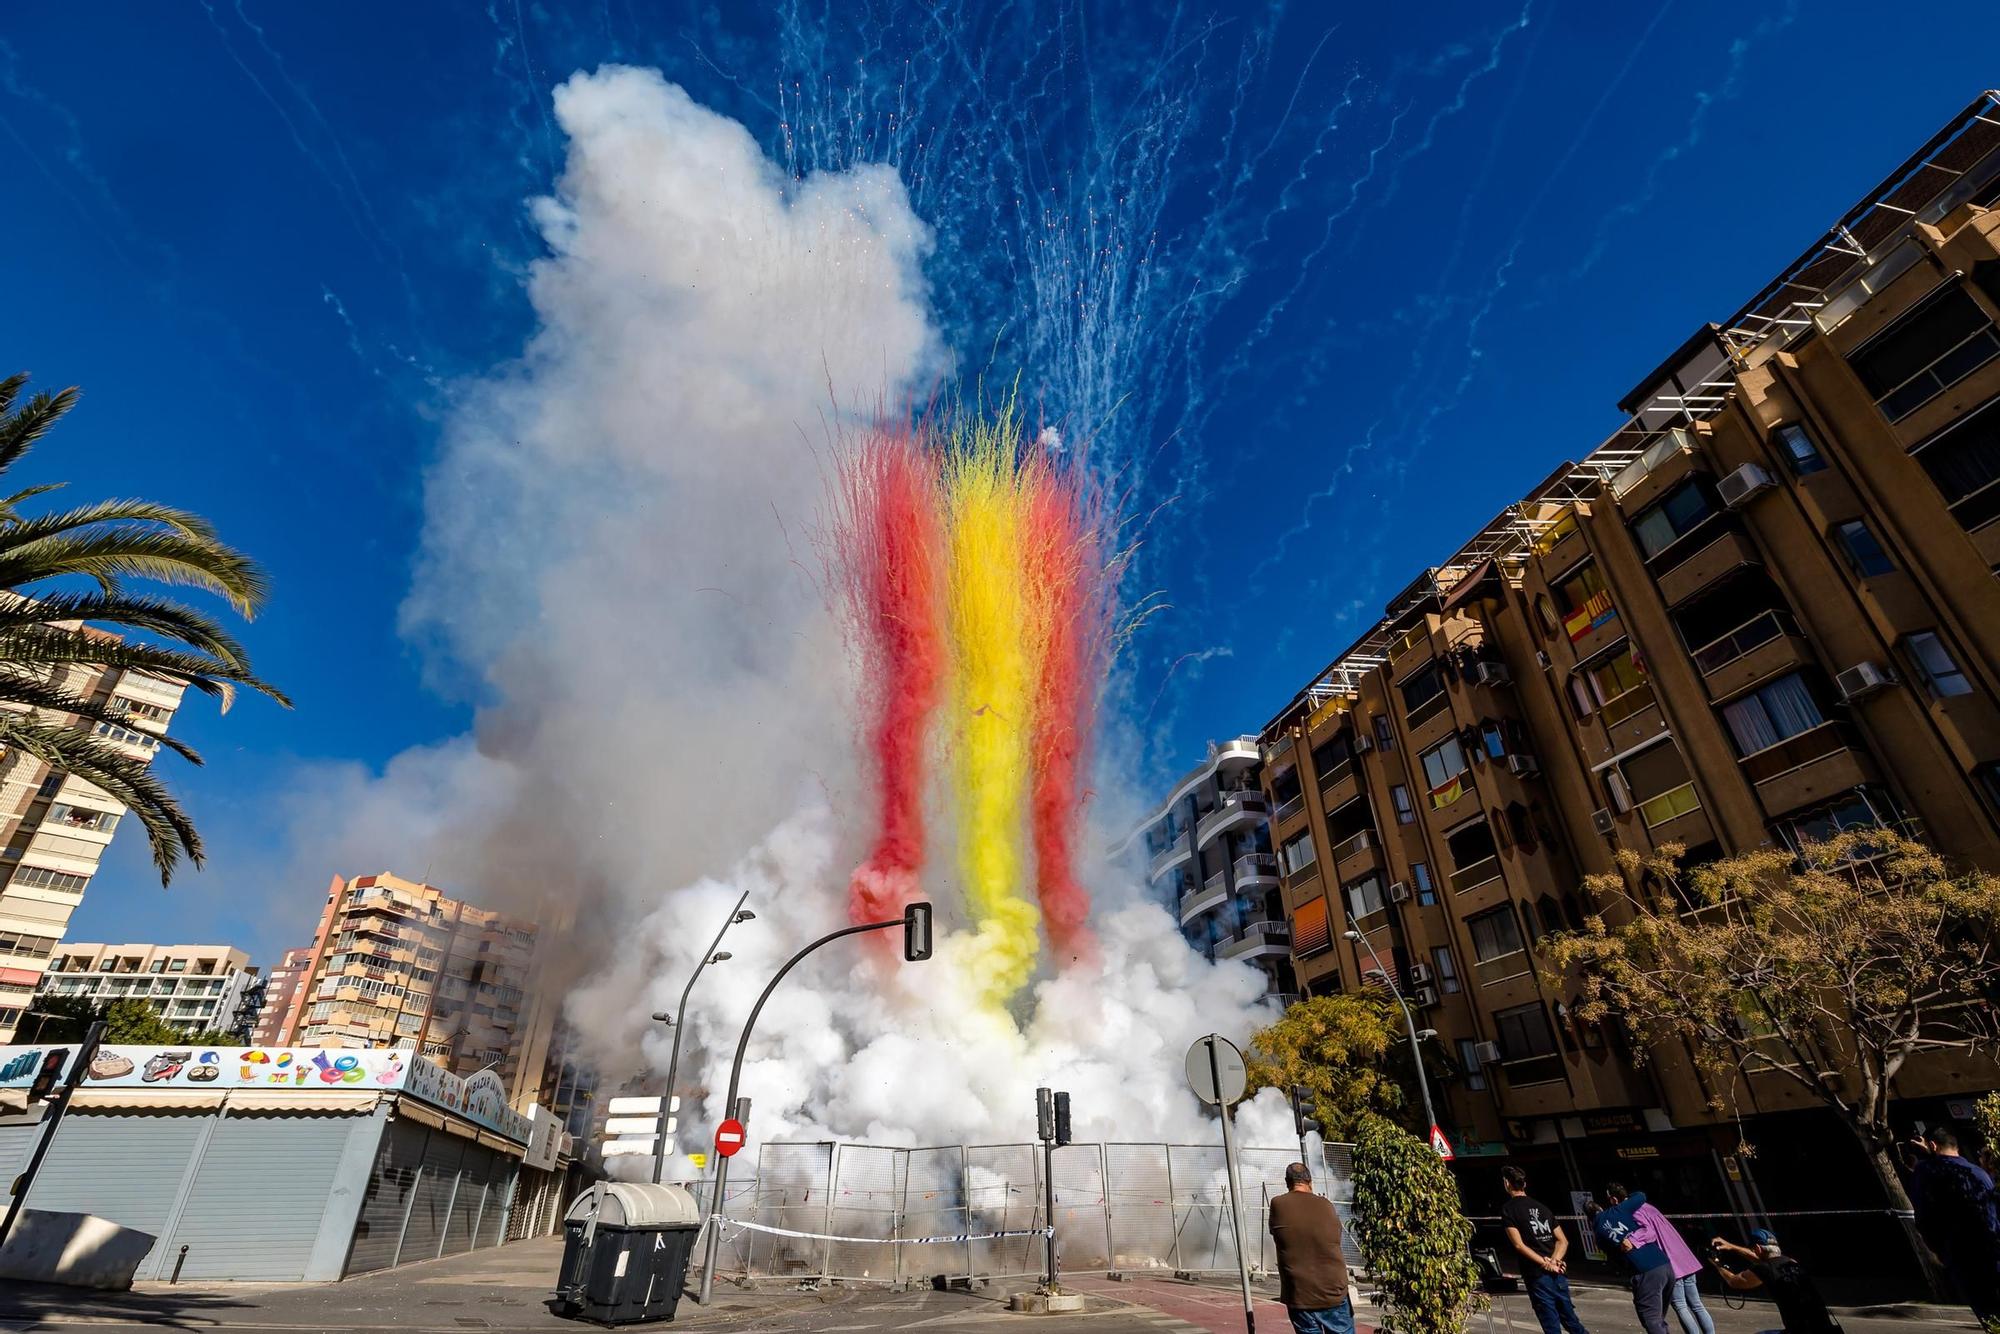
{"points": [[1795, 752], [1233, 805], [1626, 705], [1671, 444], [1669, 805], [1545, 1069], [1347, 847], [1182, 846], [1426, 711], [1256, 866], [1475, 875], [1754, 633], [1335, 772], [1254, 937], [1287, 809], [1844, 301]]}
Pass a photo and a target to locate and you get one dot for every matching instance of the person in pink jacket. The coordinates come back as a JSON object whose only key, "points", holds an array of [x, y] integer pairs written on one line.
{"points": [[1683, 1294]]}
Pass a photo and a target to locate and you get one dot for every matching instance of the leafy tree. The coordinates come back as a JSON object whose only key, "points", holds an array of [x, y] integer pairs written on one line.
{"points": [[105, 545], [1415, 1240], [1829, 969], [57, 1019], [138, 1024], [212, 1037], [1335, 1046]]}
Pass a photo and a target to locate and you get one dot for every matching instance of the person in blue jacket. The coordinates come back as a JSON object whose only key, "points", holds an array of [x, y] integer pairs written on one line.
{"points": [[1651, 1268]]}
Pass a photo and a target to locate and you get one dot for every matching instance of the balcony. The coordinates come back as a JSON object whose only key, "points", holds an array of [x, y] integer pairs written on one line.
{"points": [[1669, 806], [1843, 301], [1671, 446], [1725, 551], [1176, 852], [1256, 870], [1760, 647], [1805, 768], [1335, 773], [1289, 808], [1502, 968], [1208, 898], [1475, 875], [1355, 854], [1424, 712], [1235, 809], [1545, 1069], [1260, 940]]}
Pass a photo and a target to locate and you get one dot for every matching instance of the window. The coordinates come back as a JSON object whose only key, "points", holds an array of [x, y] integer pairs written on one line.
{"points": [[1296, 853], [15, 945], [1988, 775], [1864, 551], [1545, 612], [1385, 735], [1964, 463], [1607, 683], [1799, 450], [1468, 1060], [1495, 934], [157, 966], [1365, 896], [1443, 969], [1443, 762], [1422, 686], [1772, 713], [1524, 1032], [1656, 780], [1684, 509], [177, 965], [1406, 812], [1856, 808], [1471, 844], [40, 877], [1930, 349], [1934, 665], [1584, 601], [1420, 876]]}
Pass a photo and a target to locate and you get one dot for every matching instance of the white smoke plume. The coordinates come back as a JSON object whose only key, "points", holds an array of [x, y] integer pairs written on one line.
{"points": [[619, 540]]}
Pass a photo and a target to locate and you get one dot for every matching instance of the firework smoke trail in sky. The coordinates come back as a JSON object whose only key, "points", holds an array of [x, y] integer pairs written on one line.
{"points": [[887, 558]]}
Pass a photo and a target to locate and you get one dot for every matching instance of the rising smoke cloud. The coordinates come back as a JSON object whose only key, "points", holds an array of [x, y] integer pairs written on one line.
{"points": [[618, 541]]}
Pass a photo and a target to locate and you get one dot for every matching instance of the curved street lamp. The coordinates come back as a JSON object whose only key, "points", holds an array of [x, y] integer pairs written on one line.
{"points": [[678, 1022], [1355, 933]]}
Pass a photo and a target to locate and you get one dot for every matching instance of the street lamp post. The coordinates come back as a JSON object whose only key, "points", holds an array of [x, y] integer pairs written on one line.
{"points": [[1355, 933], [678, 1021]]}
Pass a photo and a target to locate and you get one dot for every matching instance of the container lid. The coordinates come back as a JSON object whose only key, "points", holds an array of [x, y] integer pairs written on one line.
{"points": [[634, 1204]]}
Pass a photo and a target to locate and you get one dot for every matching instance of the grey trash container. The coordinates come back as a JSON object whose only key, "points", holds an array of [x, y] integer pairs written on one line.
{"points": [[625, 1252]]}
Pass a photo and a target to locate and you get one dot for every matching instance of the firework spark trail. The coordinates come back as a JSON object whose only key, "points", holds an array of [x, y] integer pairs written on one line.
{"points": [[887, 559], [990, 612]]}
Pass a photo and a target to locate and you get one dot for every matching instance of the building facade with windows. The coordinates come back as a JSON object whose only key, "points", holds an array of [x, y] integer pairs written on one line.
{"points": [[1764, 610], [195, 988], [54, 827], [399, 963], [1209, 859], [282, 984]]}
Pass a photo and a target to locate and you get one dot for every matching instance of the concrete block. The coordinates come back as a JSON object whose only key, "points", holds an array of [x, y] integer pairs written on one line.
{"points": [[1045, 1303], [79, 1250]]}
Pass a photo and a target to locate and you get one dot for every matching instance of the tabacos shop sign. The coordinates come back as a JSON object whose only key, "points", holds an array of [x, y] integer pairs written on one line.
{"points": [[193, 1066]]}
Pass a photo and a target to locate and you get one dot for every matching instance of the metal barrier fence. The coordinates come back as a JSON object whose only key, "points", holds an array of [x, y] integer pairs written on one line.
{"points": [[862, 1213]]}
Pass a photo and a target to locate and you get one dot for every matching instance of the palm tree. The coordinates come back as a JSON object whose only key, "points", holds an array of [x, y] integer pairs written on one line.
{"points": [[61, 570]]}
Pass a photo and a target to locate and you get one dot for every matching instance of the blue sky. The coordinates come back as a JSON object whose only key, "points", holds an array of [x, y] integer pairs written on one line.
{"points": [[1368, 273]]}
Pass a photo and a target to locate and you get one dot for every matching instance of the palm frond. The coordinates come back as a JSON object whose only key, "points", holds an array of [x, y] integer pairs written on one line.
{"points": [[10, 389], [124, 779], [158, 615], [16, 687], [53, 546], [45, 644], [22, 427]]}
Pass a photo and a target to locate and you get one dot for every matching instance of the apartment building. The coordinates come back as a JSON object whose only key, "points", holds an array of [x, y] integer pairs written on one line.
{"points": [[282, 985], [1208, 851], [194, 987], [55, 827], [398, 963], [1765, 609]]}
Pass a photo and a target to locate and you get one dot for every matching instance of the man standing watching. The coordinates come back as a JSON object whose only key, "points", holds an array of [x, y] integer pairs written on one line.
{"points": [[1652, 1271], [1959, 1218], [1312, 1277], [1532, 1231]]}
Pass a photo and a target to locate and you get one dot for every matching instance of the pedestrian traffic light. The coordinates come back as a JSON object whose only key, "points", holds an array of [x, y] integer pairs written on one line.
{"points": [[916, 931], [1302, 1119], [46, 1077], [1062, 1118], [1045, 1116]]}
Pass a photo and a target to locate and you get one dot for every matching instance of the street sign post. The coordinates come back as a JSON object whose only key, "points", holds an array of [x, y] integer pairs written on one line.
{"points": [[1216, 1073], [729, 1138]]}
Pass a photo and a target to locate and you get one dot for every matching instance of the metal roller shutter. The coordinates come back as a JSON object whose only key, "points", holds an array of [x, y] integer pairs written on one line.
{"points": [[124, 1166], [258, 1197], [473, 1172], [434, 1191], [499, 1198], [17, 1143], [391, 1183]]}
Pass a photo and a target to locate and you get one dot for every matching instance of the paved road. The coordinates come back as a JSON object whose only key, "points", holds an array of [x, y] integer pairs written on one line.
{"points": [[504, 1290]]}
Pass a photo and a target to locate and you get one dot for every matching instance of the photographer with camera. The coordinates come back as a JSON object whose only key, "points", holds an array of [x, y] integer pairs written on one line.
{"points": [[1768, 1269]]}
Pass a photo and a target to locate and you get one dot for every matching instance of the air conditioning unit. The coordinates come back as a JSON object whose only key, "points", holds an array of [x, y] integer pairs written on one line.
{"points": [[1399, 892], [1424, 997], [1363, 743], [1747, 482], [1491, 674], [1523, 766], [1420, 974], [1863, 679], [1601, 819], [1486, 1053], [1621, 795]]}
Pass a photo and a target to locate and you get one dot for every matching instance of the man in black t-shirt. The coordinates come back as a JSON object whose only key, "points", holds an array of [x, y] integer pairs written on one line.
{"points": [[1533, 1232], [1771, 1270]]}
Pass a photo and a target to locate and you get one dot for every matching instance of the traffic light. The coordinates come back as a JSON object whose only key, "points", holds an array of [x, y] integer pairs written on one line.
{"points": [[1045, 1116], [1062, 1118], [47, 1077], [916, 931], [1302, 1119]]}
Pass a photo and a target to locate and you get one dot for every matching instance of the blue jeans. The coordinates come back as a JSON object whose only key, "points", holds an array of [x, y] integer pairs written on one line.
{"points": [[1549, 1295], [1334, 1320], [1685, 1297]]}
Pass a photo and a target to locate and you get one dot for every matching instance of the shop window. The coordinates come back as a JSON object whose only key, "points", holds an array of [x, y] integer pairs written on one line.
{"points": [[1799, 450]]}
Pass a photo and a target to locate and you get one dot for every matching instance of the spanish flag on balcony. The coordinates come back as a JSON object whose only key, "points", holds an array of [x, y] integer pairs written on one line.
{"points": [[1446, 794], [1595, 611]]}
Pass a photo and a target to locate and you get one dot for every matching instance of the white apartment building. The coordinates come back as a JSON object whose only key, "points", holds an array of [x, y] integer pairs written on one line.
{"points": [[193, 987], [54, 827]]}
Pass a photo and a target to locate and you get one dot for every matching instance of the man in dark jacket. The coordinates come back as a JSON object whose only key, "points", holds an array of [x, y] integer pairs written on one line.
{"points": [[1312, 1276], [1959, 1218]]}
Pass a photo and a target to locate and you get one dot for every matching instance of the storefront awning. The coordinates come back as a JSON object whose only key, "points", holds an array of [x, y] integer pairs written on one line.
{"points": [[253, 1100], [150, 1099]]}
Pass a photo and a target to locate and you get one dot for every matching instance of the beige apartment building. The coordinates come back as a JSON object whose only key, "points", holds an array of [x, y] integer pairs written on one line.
{"points": [[1765, 609], [54, 827], [281, 991], [194, 987], [398, 963]]}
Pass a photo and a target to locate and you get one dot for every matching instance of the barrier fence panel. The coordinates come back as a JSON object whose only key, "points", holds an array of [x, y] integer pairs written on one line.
{"points": [[934, 1206], [1141, 1209], [1003, 1191], [866, 1200]]}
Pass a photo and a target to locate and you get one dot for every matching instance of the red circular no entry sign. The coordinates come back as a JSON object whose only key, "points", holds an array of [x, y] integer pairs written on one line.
{"points": [[729, 1138]]}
